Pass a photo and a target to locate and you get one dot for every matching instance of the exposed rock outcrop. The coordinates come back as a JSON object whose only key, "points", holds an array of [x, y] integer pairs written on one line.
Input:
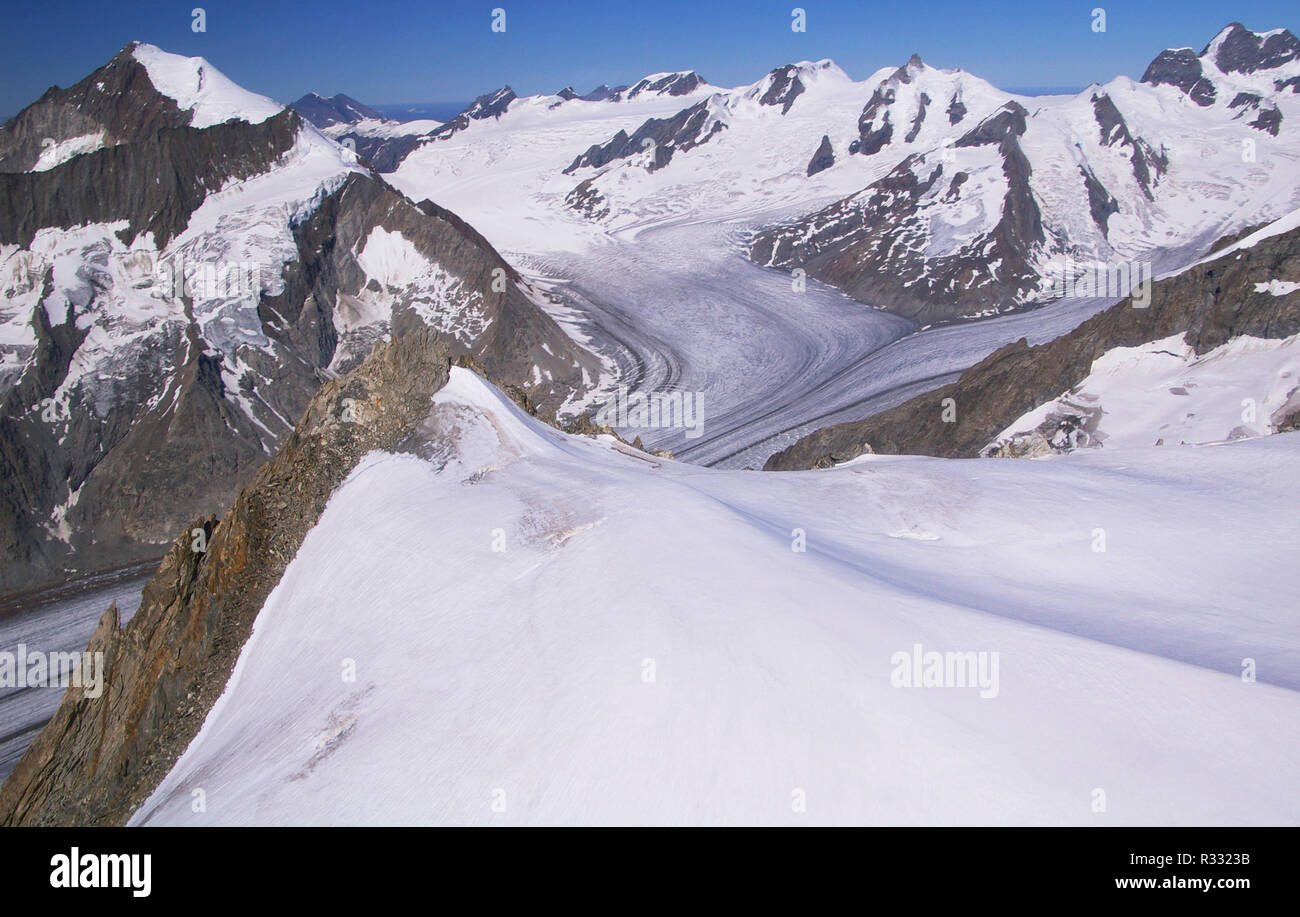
{"points": [[662, 137], [823, 158], [184, 165], [118, 101], [1242, 51], [1236, 49], [1148, 164], [1181, 68], [99, 758], [784, 86]]}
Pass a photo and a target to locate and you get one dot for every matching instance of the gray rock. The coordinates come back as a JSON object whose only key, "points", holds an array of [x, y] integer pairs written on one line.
{"points": [[1244, 51], [1181, 68], [784, 88], [823, 158], [685, 130]]}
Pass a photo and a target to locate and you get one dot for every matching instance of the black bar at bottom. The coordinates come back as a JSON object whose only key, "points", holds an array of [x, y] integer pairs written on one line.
{"points": [[230, 866]]}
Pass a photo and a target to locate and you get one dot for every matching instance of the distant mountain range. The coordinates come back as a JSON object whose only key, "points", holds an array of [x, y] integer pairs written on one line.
{"points": [[940, 196]]}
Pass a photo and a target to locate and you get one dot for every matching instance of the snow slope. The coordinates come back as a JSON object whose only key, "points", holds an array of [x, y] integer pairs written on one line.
{"points": [[1162, 392], [202, 89], [385, 128], [508, 170], [507, 173], [648, 648]]}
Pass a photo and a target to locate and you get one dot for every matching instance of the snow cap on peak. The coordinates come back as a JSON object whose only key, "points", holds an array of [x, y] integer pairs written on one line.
{"points": [[676, 83], [200, 88], [786, 83], [490, 104], [825, 65]]}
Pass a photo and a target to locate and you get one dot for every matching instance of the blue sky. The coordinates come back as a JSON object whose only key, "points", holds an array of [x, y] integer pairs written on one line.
{"points": [[381, 51]]}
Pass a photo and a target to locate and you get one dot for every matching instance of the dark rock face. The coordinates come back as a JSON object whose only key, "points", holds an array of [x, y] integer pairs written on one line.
{"points": [[1100, 201], [1149, 165], [1269, 120], [183, 164], [1210, 305], [784, 88], [1181, 68], [869, 245], [1001, 127], [327, 272], [956, 110], [118, 99], [99, 758], [1113, 127], [1243, 51], [383, 154], [872, 138], [875, 127], [684, 131], [339, 109], [904, 73], [670, 84], [1293, 83], [567, 94], [1239, 50], [1270, 116], [490, 105], [919, 120], [823, 159]]}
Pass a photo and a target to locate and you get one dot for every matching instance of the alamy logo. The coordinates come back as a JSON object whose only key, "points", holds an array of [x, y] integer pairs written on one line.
{"points": [[1088, 279], [654, 410], [103, 870], [178, 278], [921, 669], [35, 669]]}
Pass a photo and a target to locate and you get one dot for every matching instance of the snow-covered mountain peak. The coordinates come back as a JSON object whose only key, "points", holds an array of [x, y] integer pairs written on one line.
{"points": [[676, 83], [784, 84], [200, 88], [913, 68], [491, 105], [1237, 49], [1237, 67]]}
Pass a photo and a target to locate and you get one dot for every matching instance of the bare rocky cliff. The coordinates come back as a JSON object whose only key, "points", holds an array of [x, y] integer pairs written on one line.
{"points": [[99, 758]]}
